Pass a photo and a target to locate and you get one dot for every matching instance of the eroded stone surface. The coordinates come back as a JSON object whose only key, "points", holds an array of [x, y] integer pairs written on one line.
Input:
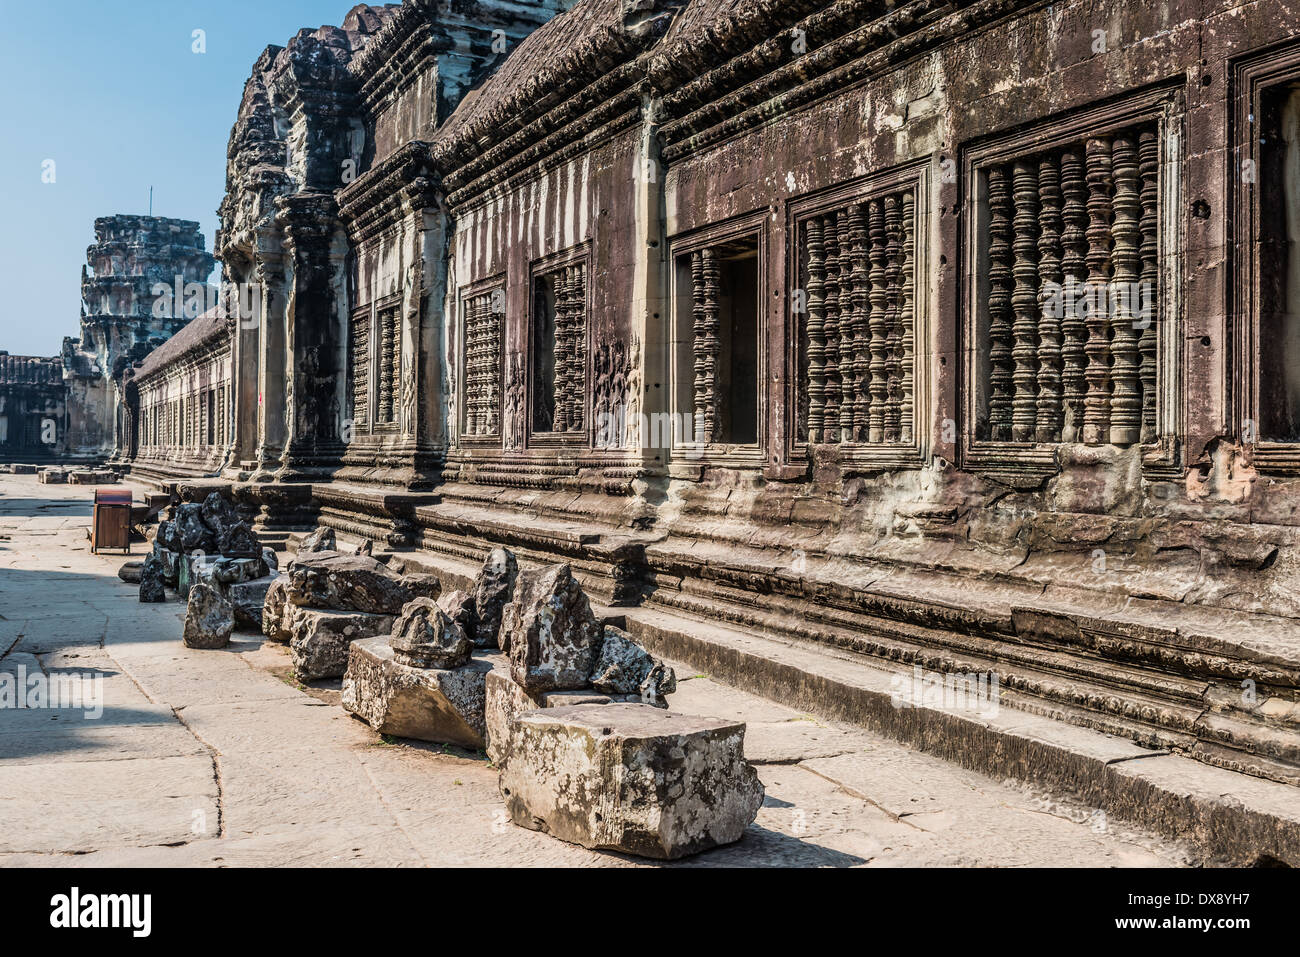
{"points": [[347, 583], [321, 540], [506, 700], [152, 579], [425, 637], [623, 665], [320, 639], [273, 611], [493, 591], [630, 778], [554, 636], [249, 601], [425, 704], [209, 618], [459, 607]]}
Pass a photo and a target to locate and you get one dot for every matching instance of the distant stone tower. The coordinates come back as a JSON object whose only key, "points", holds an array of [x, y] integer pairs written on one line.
{"points": [[124, 318]]}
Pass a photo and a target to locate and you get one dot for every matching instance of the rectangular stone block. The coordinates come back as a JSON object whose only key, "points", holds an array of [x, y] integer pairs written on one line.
{"points": [[425, 704], [630, 778], [53, 477], [319, 646], [507, 700]]}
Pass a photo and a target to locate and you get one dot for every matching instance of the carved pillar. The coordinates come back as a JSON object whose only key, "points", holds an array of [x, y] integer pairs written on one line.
{"points": [[272, 359], [315, 330], [704, 269], [893, 377]]}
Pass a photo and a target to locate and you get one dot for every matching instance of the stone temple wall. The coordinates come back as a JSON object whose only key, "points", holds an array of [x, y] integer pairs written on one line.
{"points": [[949, 334]]}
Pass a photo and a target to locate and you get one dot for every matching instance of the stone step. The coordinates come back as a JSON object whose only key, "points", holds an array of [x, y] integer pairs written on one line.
{"points": [[1230, 817]]}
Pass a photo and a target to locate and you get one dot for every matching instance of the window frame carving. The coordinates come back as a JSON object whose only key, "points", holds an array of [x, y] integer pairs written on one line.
{"points": [[749, 227], [466, 294], [541, 268], [1252, 77], [865, 455], [1163, 105]]}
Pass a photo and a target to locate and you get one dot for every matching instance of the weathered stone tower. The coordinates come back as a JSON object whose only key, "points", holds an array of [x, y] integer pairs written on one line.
{"points": [[124, 317]]}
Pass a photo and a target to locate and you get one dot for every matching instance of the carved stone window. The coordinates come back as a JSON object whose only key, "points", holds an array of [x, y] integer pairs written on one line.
{"points": [[1070, 338], [359, 365], [719, 357], [856, 306], [1265, 340], [484, 322], [559, 350]]}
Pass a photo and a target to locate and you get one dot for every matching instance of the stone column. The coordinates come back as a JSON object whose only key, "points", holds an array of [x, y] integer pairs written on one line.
{"points": [[272, 360], [315, 332]]}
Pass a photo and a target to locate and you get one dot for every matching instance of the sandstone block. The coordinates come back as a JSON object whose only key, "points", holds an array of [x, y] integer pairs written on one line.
{"points": [[209, 618], [249, 601], [238, 541], [218, 514], [445, 706], [321, 540], [506, 700], [553, 634], [131, 572], [347, 583], [424, 637], [319, 646], [622, 665], [275, 610], [170, 562], [630, 778], [459, 607], [195, 536], [152, 581], [493, 590]]}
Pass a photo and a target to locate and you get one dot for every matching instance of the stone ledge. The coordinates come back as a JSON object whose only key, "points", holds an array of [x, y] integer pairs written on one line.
{"points": [[1232, 818]]}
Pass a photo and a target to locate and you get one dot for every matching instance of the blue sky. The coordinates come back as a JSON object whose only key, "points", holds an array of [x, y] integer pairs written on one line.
{"points": [[112, 91]]}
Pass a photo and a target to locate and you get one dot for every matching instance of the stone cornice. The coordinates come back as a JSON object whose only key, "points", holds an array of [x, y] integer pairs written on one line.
{"points": [[766, 81], [405, 180]]}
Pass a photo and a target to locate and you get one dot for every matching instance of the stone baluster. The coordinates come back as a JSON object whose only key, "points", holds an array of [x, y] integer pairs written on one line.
{"points": [[852, 287], [578, 372], [1024, 301], [561, 350], [1049, 420], [879, 382], [815, 253], [893, 260], [1096, 407], [1126, 397], [1002, 372], [1149, 170], [1074, 245], [907, 313], [835, 329]]}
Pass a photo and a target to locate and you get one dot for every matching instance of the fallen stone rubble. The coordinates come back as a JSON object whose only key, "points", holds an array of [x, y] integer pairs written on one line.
{"points": [[631, 778], [569, 708]]}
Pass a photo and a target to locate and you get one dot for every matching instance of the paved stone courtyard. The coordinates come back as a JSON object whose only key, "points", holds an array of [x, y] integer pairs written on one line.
{"points": [[220, 758]]}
